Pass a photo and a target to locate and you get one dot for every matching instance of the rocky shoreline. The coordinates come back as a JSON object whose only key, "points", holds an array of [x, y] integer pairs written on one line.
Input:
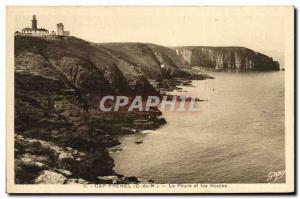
{"points": [[61, 136], [69, 145]]}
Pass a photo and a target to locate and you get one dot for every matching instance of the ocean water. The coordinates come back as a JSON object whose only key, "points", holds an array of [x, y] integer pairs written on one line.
{"points": [[236, 137]]}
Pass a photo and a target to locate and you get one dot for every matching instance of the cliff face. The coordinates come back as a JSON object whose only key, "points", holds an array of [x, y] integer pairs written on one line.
{"points": [[154, 61], [61, 136], [226, 58], [79, 65]]}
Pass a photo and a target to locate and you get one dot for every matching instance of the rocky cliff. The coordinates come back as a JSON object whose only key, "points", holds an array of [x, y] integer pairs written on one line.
{"points": [[61, 136], [239, 58], [154, 61], [160, 65], [79, 65]]}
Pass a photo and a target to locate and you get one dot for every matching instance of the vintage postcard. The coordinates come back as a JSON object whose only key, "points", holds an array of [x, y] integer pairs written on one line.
{"points": [[150, 99]]}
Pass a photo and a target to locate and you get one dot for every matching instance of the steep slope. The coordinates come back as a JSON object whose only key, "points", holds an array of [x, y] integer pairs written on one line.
{"points": [[156, 62], [78, 64], [226, 58], [61, 136]]}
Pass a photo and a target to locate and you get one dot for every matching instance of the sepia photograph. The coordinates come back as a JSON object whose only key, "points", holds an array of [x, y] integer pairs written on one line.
{"points": [[150, 99]]}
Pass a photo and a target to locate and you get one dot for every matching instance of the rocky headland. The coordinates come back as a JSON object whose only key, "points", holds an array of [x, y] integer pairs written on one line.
{"points": [[61, 136], [222, 58]]}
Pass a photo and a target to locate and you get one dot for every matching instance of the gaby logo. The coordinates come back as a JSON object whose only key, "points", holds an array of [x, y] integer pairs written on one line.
{"points": [[173, 103]]}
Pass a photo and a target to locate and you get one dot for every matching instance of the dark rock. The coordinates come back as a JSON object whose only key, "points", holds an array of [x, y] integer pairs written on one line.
{"points": [[138, 142], [132, 179], [27, 170]]}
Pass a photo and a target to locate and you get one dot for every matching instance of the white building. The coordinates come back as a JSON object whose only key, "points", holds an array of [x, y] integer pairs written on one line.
{"points": [[33, 31], [41, 32]]}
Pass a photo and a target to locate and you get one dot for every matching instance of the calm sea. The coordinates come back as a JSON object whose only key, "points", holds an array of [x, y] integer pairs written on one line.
{"points": [[236, 137]]}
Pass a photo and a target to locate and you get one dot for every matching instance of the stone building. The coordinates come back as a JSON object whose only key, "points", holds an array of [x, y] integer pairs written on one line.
{"points": [[41, 32], [61, 31], [34, 30]]}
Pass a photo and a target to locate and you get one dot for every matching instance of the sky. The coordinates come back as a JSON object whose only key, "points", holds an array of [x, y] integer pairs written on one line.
{"points": [[261, 29]]}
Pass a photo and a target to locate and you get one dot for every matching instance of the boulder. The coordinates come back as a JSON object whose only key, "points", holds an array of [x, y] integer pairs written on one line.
{"points": [[108, 179], [50, 177]]}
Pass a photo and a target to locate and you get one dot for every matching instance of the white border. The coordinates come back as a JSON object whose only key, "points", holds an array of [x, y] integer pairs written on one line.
{"points": [[94, 2]]}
